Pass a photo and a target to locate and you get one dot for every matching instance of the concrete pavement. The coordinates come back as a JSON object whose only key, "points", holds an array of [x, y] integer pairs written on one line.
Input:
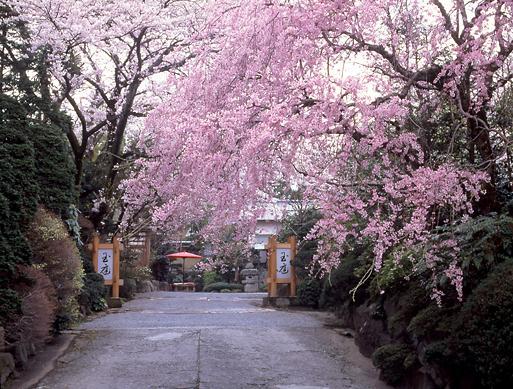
{"points": [[209, 341]]}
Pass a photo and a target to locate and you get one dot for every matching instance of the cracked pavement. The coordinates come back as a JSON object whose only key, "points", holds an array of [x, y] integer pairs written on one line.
{"points": [[209, 341]]}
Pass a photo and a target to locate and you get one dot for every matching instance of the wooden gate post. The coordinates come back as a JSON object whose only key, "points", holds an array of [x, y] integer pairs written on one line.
{"points": [[106, 262], [280, 270]]}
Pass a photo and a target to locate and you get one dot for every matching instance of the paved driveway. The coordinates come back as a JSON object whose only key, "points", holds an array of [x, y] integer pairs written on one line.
{"points": [[211, 341]]}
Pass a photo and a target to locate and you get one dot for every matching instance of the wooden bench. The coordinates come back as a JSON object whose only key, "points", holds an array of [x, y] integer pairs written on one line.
{"points": [[184, 286]]}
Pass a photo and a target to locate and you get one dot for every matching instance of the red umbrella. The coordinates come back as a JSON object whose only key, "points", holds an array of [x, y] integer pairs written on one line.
{"points": [[183, 255]]}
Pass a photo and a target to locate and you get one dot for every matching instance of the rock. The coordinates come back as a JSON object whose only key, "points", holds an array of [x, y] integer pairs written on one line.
{"points": [[128, 288], [6, 367], [251, 278], [251, 288], [145, 287], [279, 302], [282, 302], [370, 332], [114, 302], [2, 338]]}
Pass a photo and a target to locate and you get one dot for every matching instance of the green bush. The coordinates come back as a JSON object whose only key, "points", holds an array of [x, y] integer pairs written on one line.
{"points": [[394, 360], [209, 277], [483, 334], [309, 292], [55, 170], [218, 286], [94, 293], [10, 310], [18, 201], [160, 268]]}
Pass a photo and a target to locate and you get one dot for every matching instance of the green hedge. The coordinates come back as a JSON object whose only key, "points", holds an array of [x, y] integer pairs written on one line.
{"points": [[218, 286]]}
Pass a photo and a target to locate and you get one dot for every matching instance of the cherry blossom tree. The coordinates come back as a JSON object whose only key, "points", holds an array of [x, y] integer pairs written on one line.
{"points": [[107, 60], [335, 95]]}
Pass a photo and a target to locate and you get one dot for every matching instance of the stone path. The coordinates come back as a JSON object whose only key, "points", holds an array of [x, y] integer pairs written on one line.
{"points": [[209, 341]]}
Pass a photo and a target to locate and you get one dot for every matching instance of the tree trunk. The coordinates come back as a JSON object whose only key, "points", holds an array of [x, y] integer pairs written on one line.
{"points": [[480, 139]]}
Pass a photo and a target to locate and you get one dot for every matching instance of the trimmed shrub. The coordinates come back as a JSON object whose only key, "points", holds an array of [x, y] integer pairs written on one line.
{"points": [[209, 277], [483, 335], [394, 360], [219, 286], [93, 295], [57, 255], [309, 292]]}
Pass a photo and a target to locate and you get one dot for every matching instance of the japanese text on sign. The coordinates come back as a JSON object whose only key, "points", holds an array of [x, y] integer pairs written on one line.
{"points": [[105, 263], [282, 263]]}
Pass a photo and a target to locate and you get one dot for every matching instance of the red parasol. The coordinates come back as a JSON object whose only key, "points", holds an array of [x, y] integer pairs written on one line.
{"points": [[183, 255]]}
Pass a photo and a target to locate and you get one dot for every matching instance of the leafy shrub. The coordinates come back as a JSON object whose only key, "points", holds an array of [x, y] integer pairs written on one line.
{"points": [[139, 273], [336, 286], [209, 277], [57, 255], [309, 292], [160, 268], [55, 170], [432, 321], [10, 312], [218, 286], [484, 331], [93, 294], [18, 200], [394, 360]]}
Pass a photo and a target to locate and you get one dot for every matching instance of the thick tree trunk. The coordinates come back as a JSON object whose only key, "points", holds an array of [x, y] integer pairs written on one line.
{"points": [[480, 140]]}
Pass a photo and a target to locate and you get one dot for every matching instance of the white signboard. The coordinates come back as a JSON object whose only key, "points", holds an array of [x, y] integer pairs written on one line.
{"points": [[105, 260], [283, 263]]}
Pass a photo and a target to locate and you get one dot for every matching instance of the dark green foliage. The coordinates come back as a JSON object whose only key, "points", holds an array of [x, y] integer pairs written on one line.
{"points": [[18, 191], [309, 292], [94, 292], [10, 305], [209, 277], [18, 200], [432, 322], [394, 360], [483, 335], [55, 171], [160, 268], [336, 286], [218, 286], [485, 241]]}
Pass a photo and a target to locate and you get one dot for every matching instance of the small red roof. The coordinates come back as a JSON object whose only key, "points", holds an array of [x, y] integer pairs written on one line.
{"points": [[183, 254]]}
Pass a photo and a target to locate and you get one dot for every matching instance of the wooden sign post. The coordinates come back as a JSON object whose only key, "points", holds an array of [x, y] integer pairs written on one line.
{"points": [[280, 270], [106, 263]]}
